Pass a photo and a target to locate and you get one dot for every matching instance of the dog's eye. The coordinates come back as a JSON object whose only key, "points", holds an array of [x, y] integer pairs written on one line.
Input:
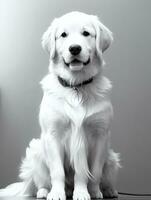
{"points": [[85, 33], [64, 34]]}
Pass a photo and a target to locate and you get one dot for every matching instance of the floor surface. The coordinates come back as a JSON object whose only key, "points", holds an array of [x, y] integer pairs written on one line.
{"points": [[121, 197]]}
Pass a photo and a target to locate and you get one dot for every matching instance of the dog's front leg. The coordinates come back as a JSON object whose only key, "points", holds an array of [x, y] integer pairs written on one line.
{"points": [[97, 154], [81, 166], [55, 155]]}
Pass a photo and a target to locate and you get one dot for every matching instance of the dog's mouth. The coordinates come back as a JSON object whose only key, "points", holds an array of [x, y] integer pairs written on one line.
{"points": [[76, 64]]}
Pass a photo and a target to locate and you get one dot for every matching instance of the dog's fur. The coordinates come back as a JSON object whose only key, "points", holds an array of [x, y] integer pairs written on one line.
{"points": [[73, 154]]}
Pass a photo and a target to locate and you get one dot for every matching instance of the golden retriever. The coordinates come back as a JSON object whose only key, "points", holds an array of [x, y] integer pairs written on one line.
{"points": [[73, 155]]}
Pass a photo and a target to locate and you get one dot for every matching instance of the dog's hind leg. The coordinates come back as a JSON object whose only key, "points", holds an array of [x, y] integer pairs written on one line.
{"points": [[33, 167], [109, 174]]}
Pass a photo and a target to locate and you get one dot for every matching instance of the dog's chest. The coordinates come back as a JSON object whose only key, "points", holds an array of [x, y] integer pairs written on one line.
{"points": [[75, 114], [65, 117], [84, 112]]}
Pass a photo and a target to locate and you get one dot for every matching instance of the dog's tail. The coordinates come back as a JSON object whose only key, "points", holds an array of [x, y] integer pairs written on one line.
{"points": [[19, 189]]}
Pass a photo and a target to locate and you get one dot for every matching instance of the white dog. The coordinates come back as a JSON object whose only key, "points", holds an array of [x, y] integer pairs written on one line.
{"points": [[73, 155]]}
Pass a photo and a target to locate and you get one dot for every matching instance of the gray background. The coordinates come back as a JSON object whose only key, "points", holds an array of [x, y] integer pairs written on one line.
{"points": [[23, 63]]}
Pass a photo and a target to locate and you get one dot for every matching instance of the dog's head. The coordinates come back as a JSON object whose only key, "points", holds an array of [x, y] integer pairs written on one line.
{"points": [[76, 42]]}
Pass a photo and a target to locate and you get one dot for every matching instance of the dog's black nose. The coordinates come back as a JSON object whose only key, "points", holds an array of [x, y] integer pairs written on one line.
{"points": [[75, 49]]}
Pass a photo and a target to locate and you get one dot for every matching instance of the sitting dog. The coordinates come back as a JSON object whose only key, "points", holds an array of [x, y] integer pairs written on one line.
{"points": [[73, 156]]}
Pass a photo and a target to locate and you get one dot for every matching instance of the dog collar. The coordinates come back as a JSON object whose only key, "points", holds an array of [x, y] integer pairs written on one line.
{"points": [[64, 83]]}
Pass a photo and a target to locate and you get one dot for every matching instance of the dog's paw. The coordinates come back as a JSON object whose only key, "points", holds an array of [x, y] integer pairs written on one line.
{"points": [[56, 194], [81, 194], [97, 194], [109, 193], [94, 190], [42, 193]]}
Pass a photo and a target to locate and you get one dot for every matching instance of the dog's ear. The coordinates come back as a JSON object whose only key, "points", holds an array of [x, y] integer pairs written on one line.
{"points": [[49, 39], [104, 36]]}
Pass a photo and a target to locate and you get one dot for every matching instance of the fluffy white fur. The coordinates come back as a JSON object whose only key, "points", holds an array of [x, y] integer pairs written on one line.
{"points": [[73, 154]]}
